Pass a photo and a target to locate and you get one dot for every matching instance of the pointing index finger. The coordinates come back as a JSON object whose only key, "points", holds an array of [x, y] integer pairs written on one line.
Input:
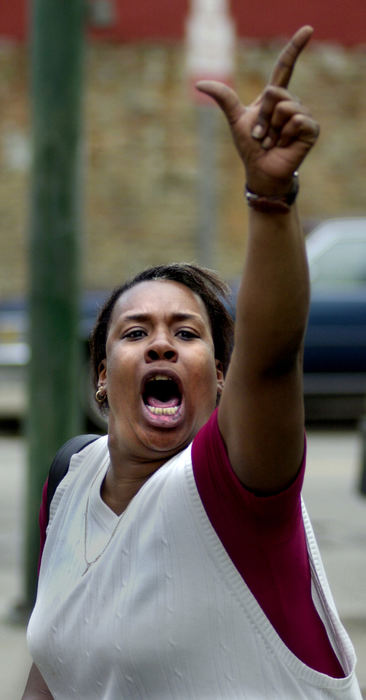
{"points": [[285, 63]]}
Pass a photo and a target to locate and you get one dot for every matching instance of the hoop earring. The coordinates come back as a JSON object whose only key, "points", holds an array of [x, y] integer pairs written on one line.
{"points": [[100, 394]]}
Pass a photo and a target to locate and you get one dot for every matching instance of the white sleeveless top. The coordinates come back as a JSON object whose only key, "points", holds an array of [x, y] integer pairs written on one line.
{"points": [[163, 613]]}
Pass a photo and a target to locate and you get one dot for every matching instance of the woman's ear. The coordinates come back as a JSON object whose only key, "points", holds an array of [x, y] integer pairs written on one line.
{"points": [[102, 371], [220, 377]]}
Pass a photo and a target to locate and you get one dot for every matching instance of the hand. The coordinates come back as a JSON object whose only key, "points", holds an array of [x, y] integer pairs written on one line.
{"points": [[274, 133]]}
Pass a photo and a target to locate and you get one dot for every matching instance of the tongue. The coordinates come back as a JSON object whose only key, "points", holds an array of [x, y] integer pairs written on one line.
{"points": [[156, 403]]}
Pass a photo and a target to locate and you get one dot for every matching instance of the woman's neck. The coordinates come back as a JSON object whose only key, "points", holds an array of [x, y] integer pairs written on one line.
{"points": [[124, 478]]}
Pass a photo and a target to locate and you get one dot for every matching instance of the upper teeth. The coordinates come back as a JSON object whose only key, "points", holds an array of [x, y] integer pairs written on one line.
{"points": [[159, 377]]}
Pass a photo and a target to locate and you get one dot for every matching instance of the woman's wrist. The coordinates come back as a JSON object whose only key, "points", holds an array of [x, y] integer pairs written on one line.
{"points": [[276, 203]]}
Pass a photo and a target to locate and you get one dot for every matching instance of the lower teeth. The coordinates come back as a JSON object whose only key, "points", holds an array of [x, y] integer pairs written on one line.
{"points": [[170, 411]]}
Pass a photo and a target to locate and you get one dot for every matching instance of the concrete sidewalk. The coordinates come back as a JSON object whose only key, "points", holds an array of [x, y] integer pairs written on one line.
{"points": [[14, 657], [338, 514]]}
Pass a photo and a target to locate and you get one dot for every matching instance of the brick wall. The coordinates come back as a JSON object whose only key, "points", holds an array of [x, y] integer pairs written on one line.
{"points": [[141, 162], [333, 20]]}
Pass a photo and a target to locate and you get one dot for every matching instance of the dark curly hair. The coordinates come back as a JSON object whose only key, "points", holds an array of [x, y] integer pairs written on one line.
{"points": [[203, 282]]}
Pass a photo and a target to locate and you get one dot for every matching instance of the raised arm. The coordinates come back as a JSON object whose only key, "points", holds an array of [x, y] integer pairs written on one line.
{"points": [[261, 409]]}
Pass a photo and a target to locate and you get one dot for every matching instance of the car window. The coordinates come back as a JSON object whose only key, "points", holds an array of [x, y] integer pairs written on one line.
{"points": [[341, 265]]}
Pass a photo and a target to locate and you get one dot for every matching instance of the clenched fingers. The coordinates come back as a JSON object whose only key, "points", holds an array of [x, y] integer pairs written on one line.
{"points": [[278, 107], [301, 128]]}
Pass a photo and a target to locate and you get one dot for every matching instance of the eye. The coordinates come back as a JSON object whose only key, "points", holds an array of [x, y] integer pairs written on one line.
{"points": [[187, 334], [134, 334]]}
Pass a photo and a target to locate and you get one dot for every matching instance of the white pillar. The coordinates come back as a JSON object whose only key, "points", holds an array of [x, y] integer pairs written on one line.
{"points": [[209, 54], [210, 40]]}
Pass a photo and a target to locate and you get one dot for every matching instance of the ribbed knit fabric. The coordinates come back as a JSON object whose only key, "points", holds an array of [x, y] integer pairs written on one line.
{"points": [[265, 538], [163, 613]]}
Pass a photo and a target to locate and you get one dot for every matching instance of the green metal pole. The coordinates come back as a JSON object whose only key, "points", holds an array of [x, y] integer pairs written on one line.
{"points": [[54, 248]]}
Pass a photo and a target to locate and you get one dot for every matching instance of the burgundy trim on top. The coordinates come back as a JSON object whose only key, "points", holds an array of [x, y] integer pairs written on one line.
{"points": [[265, 539]]}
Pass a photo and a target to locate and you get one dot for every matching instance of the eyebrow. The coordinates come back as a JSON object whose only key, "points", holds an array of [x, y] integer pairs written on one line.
{"points": [[179, 316]]}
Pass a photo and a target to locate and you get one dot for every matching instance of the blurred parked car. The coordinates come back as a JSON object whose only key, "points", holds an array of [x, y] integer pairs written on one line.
{"points": [[14, 355], [335, 342]]}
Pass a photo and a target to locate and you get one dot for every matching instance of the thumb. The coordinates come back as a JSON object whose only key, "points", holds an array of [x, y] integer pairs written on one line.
{"points": [[224, 96]]}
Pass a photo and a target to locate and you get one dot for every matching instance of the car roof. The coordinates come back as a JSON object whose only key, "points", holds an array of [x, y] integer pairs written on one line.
{"points": [[330, 231]]}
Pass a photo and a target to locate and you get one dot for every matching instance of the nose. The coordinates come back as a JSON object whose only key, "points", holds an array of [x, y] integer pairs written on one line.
{"points": [[161, 348]]}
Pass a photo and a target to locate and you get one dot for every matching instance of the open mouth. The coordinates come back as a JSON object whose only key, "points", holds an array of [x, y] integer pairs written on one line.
{"points": [[162, 395]]}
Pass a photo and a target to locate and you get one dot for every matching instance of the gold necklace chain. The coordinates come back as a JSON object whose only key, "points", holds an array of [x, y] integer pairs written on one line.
{"points": [[92, 561]]}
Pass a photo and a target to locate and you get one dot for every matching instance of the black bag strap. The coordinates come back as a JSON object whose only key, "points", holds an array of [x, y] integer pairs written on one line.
{"points": [[61, 462]]}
